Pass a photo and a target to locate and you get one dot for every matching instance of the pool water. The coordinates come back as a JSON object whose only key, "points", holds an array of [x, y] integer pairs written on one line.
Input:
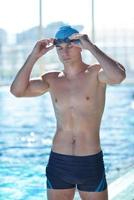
{"points": [[27, 126]]}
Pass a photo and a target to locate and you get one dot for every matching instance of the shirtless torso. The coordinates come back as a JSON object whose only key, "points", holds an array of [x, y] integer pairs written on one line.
{"points": [[78, 105]]}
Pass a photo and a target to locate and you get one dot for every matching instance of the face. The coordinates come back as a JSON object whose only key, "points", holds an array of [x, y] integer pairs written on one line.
{"points": [[67, 52]]}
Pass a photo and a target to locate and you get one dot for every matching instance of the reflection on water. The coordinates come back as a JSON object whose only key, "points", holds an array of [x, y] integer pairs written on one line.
{"points": [[27, 126]]}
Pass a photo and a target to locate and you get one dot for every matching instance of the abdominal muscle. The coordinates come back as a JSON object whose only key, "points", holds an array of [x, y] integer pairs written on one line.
{"points": [[80, 139]]}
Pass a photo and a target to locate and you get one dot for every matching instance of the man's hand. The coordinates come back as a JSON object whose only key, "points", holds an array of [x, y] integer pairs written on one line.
{"points": [[84, 41], [42, 47]]}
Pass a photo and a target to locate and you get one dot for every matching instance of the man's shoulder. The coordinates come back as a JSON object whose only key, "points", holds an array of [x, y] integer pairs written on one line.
{"points": [[94, 67], [50, 75]]}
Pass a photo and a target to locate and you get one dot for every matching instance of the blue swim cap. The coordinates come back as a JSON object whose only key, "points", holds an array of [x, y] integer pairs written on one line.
{"points": [[65, 32]]}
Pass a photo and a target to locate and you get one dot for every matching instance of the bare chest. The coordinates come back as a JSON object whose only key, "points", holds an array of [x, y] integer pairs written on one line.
{"points": [[74, 93]]}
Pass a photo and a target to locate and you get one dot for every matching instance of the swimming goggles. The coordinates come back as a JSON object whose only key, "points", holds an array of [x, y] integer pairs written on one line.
{"points": [[66, 40]]}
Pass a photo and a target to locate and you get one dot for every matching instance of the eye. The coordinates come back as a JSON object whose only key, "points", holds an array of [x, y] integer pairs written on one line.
{"points": [[70, 46], [59, 48]]}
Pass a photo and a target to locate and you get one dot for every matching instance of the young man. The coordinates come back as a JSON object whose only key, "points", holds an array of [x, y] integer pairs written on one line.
{"points": [[78, 96]]}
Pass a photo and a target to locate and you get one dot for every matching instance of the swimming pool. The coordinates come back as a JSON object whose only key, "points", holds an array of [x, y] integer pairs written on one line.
{"points": [[27, 126]]}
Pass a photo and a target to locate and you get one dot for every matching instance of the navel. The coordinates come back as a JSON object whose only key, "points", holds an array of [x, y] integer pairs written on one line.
{"points": [[73, 139]]}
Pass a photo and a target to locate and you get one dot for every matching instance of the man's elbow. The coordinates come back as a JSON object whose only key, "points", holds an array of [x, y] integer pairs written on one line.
{"points": [[120, 78], [122, 74], [15, 92]]}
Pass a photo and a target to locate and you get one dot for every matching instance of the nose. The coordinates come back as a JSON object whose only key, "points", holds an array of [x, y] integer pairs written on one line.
{"points": [[65, 51]]}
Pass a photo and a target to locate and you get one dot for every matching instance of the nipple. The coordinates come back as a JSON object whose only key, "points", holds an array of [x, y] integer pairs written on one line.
{"points": [[87, 98]]}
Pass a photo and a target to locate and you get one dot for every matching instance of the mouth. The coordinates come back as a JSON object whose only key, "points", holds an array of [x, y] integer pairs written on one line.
{"points": [[66, 58]]}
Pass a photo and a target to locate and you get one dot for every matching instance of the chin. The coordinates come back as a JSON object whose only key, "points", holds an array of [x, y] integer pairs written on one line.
{"points": [[66, 59]]}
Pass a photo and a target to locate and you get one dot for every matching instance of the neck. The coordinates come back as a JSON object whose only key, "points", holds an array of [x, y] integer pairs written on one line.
{"points": [[73, 69]]}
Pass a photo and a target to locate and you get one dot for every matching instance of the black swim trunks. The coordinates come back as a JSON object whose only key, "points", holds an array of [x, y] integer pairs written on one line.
{"points": [[69, 171]]}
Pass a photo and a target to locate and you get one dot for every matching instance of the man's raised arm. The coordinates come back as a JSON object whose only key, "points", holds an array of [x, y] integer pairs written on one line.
{"points": [[22, 86], [111, 72]]}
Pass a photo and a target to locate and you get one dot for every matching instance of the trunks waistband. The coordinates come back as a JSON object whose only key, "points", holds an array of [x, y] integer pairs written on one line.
{"points": [[76, 157]]}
